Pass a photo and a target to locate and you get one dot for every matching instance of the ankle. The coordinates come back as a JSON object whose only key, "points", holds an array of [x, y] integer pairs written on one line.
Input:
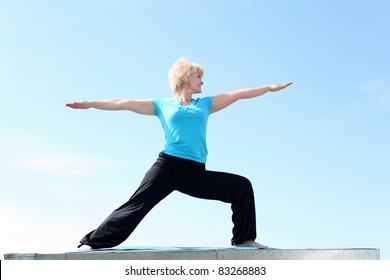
{"points": [[85, 247]]}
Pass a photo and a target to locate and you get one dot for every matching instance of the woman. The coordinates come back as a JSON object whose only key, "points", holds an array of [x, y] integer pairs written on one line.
{"points": [[181, 164]]}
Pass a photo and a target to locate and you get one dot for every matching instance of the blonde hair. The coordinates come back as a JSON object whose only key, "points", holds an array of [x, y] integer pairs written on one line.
{"points": [[180, 71]]}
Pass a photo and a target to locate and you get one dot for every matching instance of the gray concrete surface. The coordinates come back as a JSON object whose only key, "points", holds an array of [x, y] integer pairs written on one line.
{"points": [[207, 254]]}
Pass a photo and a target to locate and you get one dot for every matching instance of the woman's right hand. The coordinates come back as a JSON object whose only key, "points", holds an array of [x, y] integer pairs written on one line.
{"points": [[79, 105]]}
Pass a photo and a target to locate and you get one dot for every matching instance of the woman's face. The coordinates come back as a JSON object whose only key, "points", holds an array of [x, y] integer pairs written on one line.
{"points": [[195, 82]]}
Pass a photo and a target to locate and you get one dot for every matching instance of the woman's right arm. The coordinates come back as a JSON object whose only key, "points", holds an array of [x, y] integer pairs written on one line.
{"points": [[144, 107]]}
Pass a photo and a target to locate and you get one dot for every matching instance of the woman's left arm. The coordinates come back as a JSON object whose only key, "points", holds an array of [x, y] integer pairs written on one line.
{"points": [[222, 101]]}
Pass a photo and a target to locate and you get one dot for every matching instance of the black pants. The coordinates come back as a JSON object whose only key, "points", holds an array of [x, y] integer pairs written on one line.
{"points": [[170, 173]]}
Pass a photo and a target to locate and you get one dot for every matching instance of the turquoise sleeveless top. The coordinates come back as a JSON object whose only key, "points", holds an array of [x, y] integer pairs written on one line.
{"points": [[184, 126]]}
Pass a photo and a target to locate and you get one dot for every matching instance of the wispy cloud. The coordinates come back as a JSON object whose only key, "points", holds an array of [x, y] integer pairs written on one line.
{"points": [[29, 230], [37, 154], [368, 100], [377, 91], [65, 165]]}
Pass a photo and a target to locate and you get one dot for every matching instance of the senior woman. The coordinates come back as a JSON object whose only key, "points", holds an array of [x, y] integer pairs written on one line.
{"points": [[180, 165]]}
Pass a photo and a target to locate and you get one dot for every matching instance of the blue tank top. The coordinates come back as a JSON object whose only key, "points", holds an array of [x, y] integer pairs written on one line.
{"points": [[184, 126]]}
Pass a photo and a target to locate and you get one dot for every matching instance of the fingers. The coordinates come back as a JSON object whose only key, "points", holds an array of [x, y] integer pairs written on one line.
{"points": [[280, 86], [78, 105], [74, 105]]}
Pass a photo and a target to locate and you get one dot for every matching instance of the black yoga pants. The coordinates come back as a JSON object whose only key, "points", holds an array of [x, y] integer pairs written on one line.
{"points": [[171, 173]]}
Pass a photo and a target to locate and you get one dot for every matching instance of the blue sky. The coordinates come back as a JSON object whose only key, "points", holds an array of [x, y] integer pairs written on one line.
{"points": [[317, 153]]}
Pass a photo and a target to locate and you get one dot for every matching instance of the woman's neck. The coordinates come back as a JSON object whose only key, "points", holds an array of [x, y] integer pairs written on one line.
{"points": [[183, 96]]}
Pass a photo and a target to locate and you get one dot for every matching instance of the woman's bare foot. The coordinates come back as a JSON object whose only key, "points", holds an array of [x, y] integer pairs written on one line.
{"points": [[85, 247], [251, 243]]}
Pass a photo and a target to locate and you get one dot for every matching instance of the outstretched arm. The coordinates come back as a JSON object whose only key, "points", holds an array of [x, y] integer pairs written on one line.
{"points": [[224, 100], [144, 107]]}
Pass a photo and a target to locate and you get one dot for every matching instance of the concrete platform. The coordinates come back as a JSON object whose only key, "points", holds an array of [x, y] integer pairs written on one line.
{"points": [[207, 254]]}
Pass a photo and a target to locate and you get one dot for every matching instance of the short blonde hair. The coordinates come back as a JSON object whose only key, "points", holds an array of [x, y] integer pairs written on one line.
{"points": [[180, 71]]}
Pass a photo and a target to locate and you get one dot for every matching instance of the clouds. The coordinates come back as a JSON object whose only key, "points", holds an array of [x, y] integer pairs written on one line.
{"points": [[26, 230], [36, 166], [31, 153], [65, 164], [364, 106], [43, 192], [378, 91]]}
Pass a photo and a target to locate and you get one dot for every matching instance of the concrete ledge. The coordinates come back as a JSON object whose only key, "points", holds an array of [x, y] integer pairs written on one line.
{"points": [[207, 254]]}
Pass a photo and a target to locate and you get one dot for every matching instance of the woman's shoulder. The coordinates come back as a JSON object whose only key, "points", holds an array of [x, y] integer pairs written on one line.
{"points": [[203, 99], [162, 100], [206, 99]]}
